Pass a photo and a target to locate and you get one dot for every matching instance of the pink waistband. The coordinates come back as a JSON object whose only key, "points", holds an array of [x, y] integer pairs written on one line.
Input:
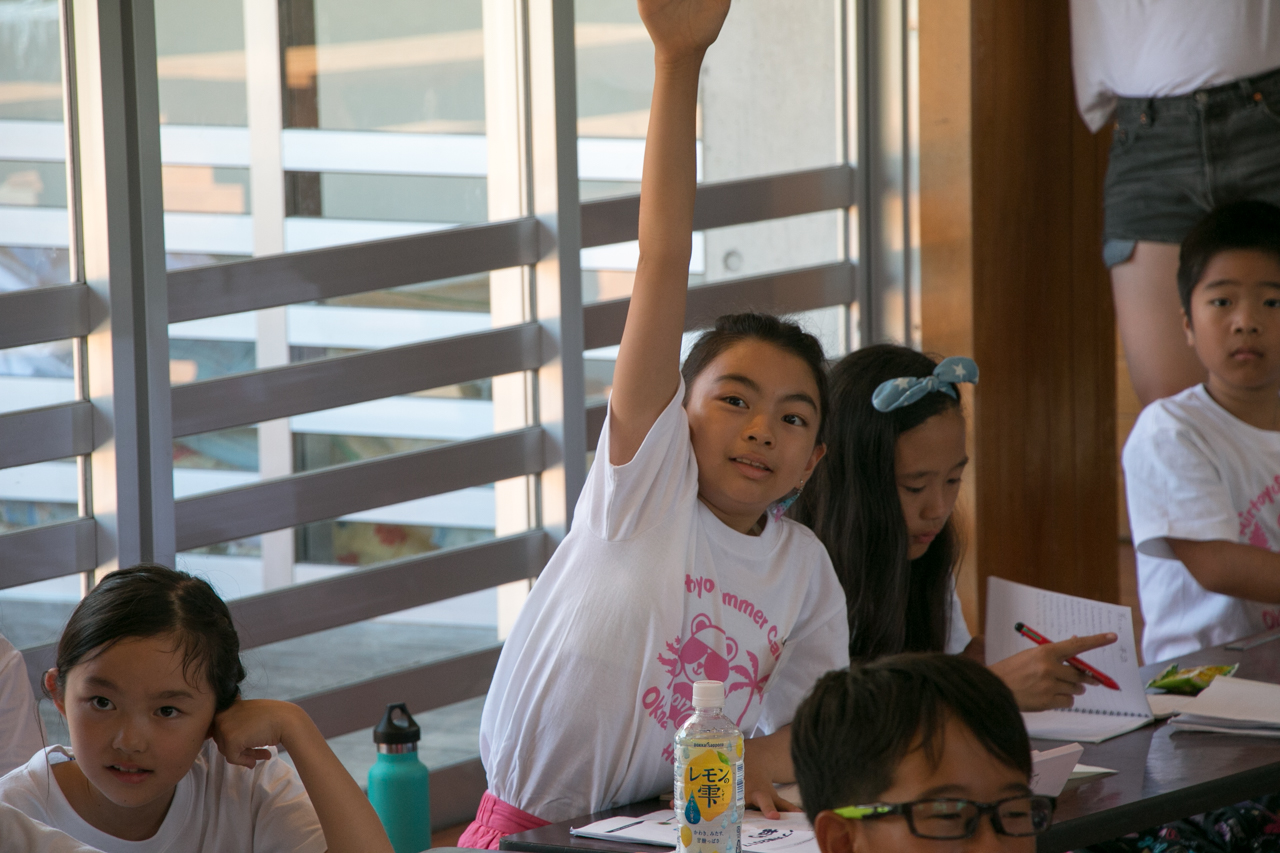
{"points": [[494, 819]]}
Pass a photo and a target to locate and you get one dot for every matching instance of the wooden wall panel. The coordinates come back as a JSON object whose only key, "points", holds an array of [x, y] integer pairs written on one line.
{"points": [[1043, 325], [946, 228], [1034, 294]]}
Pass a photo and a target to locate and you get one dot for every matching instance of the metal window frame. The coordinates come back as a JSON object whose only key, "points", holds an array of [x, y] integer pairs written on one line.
{"points": [[121, 302]]}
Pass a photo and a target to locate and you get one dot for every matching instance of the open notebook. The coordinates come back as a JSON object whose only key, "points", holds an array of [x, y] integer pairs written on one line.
{"points": [[1100, 713]]}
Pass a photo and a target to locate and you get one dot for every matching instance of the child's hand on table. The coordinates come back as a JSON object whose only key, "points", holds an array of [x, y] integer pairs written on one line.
{"points": [[768, 760]]}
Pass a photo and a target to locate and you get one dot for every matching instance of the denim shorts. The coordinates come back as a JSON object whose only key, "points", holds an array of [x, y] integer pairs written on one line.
{"points": [[1174, 159]]}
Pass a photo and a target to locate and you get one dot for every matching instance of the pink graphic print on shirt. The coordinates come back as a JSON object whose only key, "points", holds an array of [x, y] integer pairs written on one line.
{"points": [[1252, 532], [709, 652]]}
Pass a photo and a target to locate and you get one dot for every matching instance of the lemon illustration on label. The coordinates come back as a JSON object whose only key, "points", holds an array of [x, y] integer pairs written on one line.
{"points": [[686, 836], [708, 779]]}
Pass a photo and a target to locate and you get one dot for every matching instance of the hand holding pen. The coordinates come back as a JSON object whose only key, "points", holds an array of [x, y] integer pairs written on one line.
{"points": [[1099, 676], [1045, 677]]}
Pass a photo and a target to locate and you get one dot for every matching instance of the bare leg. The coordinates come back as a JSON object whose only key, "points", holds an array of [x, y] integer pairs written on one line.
{"points": [[1149, 316]]}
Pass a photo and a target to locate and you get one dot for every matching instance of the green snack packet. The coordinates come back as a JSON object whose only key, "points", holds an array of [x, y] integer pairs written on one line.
{"points": [[1190, 682]]}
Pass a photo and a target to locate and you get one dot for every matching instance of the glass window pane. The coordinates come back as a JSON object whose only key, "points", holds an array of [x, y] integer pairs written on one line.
{"points": [[201, 68], [34, 233], [400, 65], [30, 60]]}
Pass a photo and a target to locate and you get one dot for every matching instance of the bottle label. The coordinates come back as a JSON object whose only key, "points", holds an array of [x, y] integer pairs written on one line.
{"points": [[709, 795]]}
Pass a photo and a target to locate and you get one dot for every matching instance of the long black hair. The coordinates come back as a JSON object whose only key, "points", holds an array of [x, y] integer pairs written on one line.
{"points": [[895, 604], [148, 600]]}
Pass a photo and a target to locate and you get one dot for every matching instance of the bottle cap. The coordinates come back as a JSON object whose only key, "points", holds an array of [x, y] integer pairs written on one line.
{"points": [[397, 726], [708, 694]]}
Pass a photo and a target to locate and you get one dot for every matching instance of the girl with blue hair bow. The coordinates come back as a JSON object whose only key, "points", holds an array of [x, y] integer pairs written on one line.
{"points": [[882, 503]]}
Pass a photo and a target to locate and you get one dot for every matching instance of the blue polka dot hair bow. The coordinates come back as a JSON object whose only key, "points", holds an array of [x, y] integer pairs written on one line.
{"points": [[896, 393]]}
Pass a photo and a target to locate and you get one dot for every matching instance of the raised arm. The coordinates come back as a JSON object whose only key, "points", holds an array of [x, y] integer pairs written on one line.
{"points": [[647, 372], [1231, 568]]}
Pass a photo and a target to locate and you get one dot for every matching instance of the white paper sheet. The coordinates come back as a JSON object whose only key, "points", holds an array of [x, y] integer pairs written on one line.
{"points": [[791, 832], [1100, 713], [1051, 768], [1234, 706], [1167, 704]]}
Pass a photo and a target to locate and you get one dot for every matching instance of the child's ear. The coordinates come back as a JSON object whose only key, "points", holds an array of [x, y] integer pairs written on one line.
{"points": [[53, 691], [834, 834], [1187, 330], [819, 451]]}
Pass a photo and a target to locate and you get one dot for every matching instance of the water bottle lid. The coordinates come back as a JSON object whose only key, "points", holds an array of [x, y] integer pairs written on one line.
{"points": [[397, 726], [708, 694]]}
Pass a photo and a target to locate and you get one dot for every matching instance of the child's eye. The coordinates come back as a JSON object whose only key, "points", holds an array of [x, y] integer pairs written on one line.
{"points": [[1271, 303], [100, 703], [735, 401], [168, 711], [1220, 302], [915, 490], [794, 420]]}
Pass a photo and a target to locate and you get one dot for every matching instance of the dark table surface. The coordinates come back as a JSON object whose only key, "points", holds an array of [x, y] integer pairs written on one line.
{"points": [[1162, 775]]}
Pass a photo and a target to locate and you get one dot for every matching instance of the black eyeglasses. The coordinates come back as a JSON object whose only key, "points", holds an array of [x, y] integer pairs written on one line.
{"points": [[949, 818]]}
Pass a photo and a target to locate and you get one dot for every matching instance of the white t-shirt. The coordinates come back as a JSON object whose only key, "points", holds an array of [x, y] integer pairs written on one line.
{"points": [[21, 834], [216, 807], [648, 593], [1157, 48], [958, 635], [1194, 471], [21, 735]]}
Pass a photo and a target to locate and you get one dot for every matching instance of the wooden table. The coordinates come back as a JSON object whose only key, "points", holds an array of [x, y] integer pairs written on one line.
{"points": [[1162, 775], [1165, 774]]}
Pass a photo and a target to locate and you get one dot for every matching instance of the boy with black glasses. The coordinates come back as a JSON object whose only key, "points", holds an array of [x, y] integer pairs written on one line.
{"points": [[913, 749]]}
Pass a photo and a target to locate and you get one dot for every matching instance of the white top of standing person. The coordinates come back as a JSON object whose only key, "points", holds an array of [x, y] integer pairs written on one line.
{"points": [[1162, 48], [21, 735], [674, 570]]}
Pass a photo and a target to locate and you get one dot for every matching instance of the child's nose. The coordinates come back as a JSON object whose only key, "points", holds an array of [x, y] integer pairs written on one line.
{"points": [[985, 839], [1247, 319], [131, 737], [758, 430]]}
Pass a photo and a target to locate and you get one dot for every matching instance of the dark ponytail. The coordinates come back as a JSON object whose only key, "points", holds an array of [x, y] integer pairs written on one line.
{"points": [[148, 601], [852, 504]]}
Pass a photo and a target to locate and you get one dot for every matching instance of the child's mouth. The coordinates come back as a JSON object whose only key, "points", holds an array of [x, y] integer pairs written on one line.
{"points": [[1246, 354], [751, 467], [128, 773]]}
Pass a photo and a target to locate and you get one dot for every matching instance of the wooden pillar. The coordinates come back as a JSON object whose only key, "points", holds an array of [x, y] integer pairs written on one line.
{"points": [[1011, 221]]}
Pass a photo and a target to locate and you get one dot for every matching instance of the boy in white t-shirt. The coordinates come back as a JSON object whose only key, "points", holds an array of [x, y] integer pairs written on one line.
{"points": [[1202, 468]]}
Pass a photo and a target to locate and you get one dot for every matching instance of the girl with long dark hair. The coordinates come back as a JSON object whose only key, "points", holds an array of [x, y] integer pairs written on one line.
{"points": [[882, 503]]}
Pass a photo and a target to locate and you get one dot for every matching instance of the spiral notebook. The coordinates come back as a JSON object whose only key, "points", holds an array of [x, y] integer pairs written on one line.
{"points": [[1100, 713]]}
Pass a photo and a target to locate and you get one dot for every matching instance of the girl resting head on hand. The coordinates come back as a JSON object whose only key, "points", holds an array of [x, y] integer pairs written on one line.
{"points": [[148, 678]]}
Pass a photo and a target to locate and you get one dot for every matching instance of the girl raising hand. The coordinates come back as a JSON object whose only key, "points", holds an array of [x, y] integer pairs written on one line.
{"points": [[675, 570]]}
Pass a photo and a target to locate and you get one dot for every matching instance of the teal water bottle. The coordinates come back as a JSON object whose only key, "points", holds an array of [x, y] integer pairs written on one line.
{"points": [[398, 782]]}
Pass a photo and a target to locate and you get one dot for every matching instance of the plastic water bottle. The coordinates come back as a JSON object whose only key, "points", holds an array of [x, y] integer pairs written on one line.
{"points": [[709, 785], [399, 782]]}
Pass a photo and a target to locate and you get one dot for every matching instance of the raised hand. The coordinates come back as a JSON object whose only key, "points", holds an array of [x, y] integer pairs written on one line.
{"points": [[682, 28], [1041, 679]]}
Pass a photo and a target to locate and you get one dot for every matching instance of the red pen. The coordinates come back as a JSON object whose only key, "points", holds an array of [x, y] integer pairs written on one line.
{"points": [[1103, 679]]}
